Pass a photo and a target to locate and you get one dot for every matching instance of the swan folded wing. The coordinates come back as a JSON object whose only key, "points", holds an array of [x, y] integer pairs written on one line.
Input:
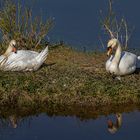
{"points": [[20, 65], [3, 60], [127, 63], [19, 61], [23, 54]]}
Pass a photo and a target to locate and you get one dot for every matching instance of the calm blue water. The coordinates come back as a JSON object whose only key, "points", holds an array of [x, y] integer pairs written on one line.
{"points": [[43, 127], [77, 22]]}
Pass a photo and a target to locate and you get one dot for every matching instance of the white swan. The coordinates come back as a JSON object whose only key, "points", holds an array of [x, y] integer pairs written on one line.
{"points": [[122, 63], [22, 60]]}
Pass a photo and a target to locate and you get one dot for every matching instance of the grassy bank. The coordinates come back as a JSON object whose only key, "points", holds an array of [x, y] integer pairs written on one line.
{"points": [[68, 77]]}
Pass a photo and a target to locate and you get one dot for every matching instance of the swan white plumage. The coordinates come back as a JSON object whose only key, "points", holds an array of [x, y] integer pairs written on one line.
{"points": [[122, 63], [22, 60]]}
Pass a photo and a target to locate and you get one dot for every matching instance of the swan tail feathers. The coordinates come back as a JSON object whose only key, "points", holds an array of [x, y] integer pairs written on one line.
{"points": [[138, 62], [42, 55], [138, 58]]}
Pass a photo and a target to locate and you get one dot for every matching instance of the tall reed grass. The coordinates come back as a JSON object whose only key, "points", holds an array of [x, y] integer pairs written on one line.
{"points": [[17, 22]]}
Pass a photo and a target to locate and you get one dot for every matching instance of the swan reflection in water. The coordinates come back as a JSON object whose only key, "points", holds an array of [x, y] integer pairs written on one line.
{"points": [[13, 121], [114, 127]]}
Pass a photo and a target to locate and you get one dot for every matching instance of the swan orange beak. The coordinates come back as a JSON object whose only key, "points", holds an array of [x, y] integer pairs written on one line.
{"points": [[14, 50], [109, 51]]}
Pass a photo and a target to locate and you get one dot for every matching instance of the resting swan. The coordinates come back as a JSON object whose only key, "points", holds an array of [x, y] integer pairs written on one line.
{"points": [[22, 60], [122, 63]]}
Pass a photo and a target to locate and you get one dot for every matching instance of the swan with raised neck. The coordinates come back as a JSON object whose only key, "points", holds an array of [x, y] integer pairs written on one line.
{"points": [[122, 63]]}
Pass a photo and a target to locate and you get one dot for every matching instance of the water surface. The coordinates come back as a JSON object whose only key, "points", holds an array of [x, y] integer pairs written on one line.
{"points": [[77, 22], [69, 128]]}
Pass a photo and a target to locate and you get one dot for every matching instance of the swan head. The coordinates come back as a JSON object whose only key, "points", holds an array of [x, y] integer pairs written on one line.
{"points": [[11, 48], [113, 43], [13, 42]]}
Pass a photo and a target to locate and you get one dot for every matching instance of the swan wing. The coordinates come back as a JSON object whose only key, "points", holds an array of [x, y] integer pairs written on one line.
{"points": [[21, 60], [25, 60], [127, 63], [22, 55]]}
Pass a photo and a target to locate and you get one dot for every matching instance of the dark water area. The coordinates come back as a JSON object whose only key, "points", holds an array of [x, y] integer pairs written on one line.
{"points": [[44, 127], [77, 22]]}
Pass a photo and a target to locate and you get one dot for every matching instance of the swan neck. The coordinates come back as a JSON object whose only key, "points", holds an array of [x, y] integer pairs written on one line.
{"points": [[119, 120], [8, 51], [118, 54]]}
